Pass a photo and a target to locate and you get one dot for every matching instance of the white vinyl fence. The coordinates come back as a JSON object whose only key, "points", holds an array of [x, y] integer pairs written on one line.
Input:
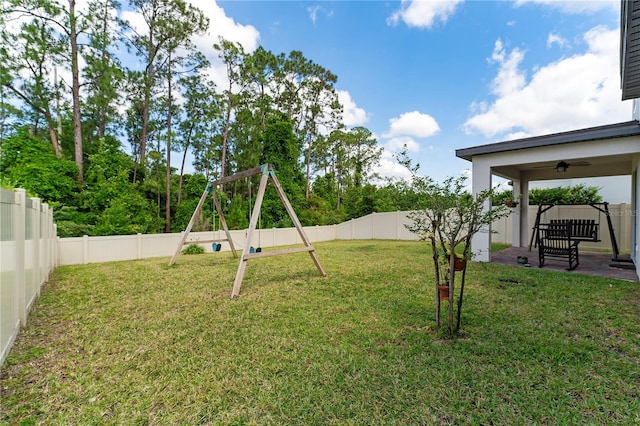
{"points": [[379, 226], [28, 254], [30, 250]]}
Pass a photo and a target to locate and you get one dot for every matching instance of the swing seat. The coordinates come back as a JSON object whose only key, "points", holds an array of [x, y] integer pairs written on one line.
{"points": [[259, 250], [555, 241], [581, 229], [216, 246], [252, 250]]}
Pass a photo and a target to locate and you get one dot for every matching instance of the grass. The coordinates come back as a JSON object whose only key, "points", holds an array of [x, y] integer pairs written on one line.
{"points": [[143, 343]]}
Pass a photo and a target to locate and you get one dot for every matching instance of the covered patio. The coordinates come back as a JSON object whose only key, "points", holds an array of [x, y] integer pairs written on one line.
{"points": [[611, 150], [591, 263]]}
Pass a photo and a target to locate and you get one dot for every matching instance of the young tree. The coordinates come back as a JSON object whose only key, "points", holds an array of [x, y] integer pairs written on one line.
{"points": [[448, 218]]}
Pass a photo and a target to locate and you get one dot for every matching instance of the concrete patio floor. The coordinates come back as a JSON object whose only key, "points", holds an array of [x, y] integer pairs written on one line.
{"points": [[591, 263]]}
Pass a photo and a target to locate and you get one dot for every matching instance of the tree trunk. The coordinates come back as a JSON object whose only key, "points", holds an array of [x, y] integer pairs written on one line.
{"points": [[306, 190], [436, 265], [75, 90], [467, 246], [184, 159], [47, 116], [167, 203], [225, 139]]}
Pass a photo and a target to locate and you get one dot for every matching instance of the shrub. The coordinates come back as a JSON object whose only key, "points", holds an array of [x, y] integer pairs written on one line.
{"points": [[193, 249]]}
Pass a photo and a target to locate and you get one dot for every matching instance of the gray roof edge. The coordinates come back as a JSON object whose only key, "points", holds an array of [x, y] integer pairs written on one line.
{"points": [[609, 131]]}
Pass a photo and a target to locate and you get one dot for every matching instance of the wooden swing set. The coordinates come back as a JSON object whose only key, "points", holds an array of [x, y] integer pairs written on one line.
{"points": [[247, 253]]}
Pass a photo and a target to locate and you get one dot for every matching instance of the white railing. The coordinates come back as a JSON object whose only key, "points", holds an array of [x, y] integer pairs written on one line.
{"points": [[28, 254]]}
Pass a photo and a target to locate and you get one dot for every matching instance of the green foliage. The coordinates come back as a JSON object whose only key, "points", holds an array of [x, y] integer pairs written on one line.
{"points": [[501, 197], [193, 249], [107, 175], [318, 211], [28, 162], [577, 194], [128, 214], [73, 223]]}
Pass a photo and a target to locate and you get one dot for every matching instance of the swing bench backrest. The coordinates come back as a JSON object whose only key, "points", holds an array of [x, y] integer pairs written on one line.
{"points": [[581, 229]]}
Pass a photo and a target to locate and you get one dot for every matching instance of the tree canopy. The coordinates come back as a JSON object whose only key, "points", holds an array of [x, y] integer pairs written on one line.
{"points": [[92, 107]]}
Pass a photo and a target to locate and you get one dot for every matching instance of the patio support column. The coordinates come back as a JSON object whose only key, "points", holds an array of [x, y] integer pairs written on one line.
{"points": [[635, 225], [516, 236], [481, 181], [524, 214]]}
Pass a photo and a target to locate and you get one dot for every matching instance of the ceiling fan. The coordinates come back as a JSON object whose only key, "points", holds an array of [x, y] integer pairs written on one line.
{"points": [[563, 166]]}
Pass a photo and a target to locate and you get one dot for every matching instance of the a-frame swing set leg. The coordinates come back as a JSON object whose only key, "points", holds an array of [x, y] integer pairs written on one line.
{"points": [[223, 222], [247, 245], [210, 189], [267, 172], [246, 254], [185, 235], [298, 225]]}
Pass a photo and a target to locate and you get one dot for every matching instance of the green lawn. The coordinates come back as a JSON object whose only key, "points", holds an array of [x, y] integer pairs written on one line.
{"points": [[143, 343]]}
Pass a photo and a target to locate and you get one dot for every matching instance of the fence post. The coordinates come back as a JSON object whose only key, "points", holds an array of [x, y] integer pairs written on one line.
{"points": [[35, 241], [85, 249], [44, 242], [139, 245], [19, 232]]}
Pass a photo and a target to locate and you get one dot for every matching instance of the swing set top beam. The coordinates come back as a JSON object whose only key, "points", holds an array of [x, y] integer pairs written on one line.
{"points": [[241, 175]]}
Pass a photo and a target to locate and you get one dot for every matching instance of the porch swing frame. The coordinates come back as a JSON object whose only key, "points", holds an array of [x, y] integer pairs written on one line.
{"points": [[601, 207], [267, 172]]}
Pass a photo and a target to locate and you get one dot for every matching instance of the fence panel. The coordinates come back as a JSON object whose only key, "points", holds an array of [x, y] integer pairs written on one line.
{"points": [[9, 314], [27, 257]]}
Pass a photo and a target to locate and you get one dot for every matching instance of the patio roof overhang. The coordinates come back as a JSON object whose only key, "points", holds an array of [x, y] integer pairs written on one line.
{"points": [[609, 151]]}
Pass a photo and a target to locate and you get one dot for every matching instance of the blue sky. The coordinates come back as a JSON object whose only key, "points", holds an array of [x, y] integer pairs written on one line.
{"points": [[443, 75]]}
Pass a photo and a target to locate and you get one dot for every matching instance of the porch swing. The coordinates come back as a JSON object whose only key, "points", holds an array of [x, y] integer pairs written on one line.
{"points": [[587, 230]]}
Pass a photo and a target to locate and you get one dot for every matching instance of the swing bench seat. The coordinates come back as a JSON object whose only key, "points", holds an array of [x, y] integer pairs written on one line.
{"points": [[581, 229], [555, 241]]}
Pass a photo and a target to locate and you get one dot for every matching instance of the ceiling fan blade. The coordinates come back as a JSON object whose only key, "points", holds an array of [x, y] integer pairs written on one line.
{"points": [[580, 164]]}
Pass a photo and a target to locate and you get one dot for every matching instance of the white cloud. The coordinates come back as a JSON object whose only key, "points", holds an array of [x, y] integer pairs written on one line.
{"points": [[556, 39], [313, 13], [510, 78], [314, 10], [397, 144], [390, 168], [574, 92], [575, 6], [422, 13], [352, 115], [220, 25], [413, 124]]}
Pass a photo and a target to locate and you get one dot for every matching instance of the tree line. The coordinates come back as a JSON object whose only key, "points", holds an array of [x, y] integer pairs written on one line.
{"points": [[92, 106]]}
